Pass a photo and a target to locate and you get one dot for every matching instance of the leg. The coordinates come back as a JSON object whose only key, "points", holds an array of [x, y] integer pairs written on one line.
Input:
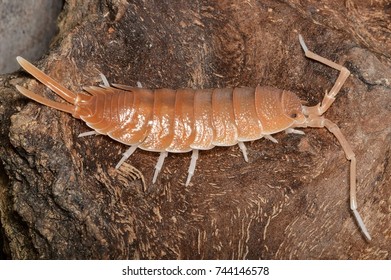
{"points": [[107, 84], [88, 133], [159, 165], [104, 80], [126, 155], [194, 157], [271, 138], [294, 131], [334, 129], [329, 97], [244, 150]]}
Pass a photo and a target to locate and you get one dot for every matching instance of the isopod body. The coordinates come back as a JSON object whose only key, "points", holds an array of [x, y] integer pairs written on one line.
{"points": [[184, 120], [165, 120]]}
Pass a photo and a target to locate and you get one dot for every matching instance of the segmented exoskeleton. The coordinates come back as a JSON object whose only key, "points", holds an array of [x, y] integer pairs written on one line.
{"points": [[184, 120]]}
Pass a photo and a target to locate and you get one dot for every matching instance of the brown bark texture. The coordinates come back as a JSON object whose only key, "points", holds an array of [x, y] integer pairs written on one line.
{"points": [[61, 198]]}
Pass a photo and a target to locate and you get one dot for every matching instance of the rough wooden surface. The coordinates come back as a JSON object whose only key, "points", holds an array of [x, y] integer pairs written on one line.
{"points": [[62, 198]]}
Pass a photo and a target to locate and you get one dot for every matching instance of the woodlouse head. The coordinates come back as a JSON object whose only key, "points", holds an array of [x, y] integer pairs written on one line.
{"points": [[292, 107]]}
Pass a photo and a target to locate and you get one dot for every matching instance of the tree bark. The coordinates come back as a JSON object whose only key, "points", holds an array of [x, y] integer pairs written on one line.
{"points": [[61, 197]]}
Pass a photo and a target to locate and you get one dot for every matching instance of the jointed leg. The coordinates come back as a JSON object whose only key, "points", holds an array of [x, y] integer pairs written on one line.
{"points": [[126, 155], [294, 131], [88, 133], [271, 138], [194, 157], [104, 80], [243, 148], [159, 165], [330, 96]]}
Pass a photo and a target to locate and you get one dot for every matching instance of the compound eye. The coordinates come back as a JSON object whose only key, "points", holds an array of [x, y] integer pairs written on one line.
{"points": [[293, 115]]}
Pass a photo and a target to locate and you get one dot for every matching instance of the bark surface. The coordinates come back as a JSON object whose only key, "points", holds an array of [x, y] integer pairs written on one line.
{"points": [[61, 198]]}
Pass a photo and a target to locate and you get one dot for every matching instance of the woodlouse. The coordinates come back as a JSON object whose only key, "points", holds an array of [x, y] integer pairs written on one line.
{"points": [[184, 120]]}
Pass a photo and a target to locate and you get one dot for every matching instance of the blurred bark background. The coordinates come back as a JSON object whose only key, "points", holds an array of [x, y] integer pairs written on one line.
{"points": [[61, 198], [28, 40]]}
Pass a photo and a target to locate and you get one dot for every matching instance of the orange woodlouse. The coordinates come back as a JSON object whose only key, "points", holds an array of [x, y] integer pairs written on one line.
{"points": [[184, 120]]}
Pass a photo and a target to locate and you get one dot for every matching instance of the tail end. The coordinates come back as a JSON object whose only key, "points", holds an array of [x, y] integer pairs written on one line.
{"points": [[50, 83], [55, 86], [50, 103]]}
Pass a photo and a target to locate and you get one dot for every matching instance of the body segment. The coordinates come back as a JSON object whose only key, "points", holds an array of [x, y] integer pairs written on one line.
{"points": [[248, 124]]}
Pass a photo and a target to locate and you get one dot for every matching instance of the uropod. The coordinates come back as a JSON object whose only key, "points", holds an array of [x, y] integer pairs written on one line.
{"points": [[189, 120]]}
